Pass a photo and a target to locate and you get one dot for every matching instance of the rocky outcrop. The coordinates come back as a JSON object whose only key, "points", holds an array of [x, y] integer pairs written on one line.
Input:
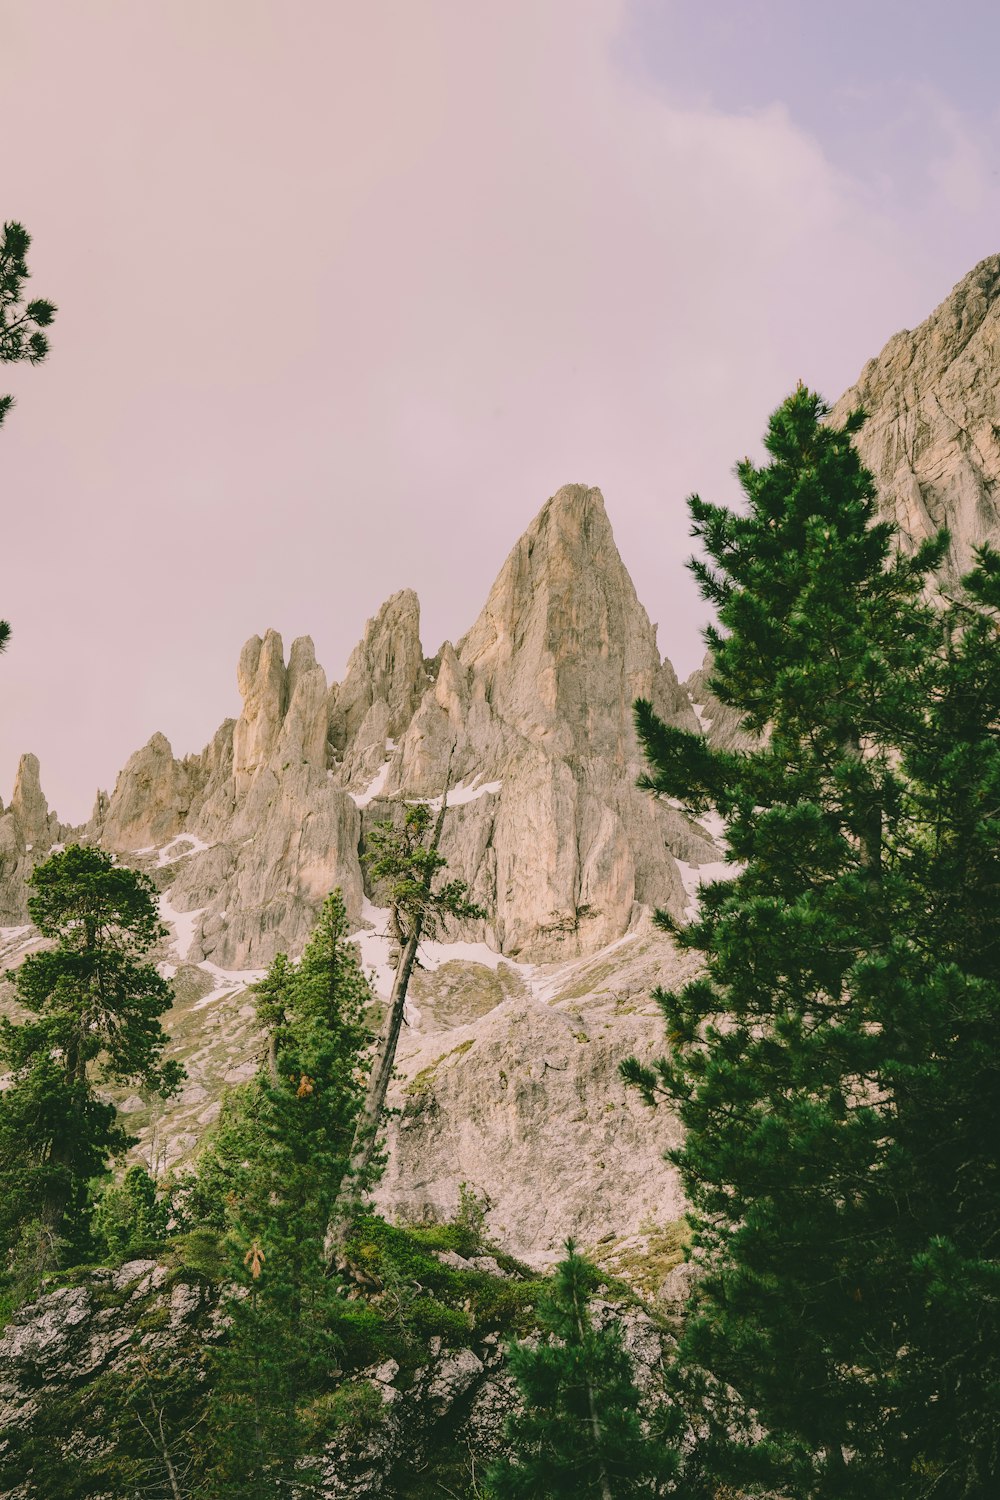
{"points": [[509, 1085], [932, 438], [65, 1356], [530, 716], [143, 1329], [151, 800], [534, 709], [270, 833], [386, 677], [28, 831]]}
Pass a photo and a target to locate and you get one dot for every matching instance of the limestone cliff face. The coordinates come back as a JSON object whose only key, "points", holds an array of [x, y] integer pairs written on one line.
{"points": [[270, 834], [535, 707], [28, 830], [151, 800], [932, 439], [532, 712], [386, 678]]}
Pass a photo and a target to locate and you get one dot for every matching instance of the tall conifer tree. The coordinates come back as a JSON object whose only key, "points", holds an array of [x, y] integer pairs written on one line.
{"points": [[269, 1177], [92, 1004], [835, 1068], [580, 1432]]}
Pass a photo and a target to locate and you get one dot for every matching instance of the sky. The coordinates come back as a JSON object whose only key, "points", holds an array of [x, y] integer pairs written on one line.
{"points": [[347, 290]]}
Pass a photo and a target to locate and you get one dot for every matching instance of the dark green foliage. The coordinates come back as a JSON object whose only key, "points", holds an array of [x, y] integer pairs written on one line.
{"points": [[421, 1297], [835, 1069], [404, 862], [129, 1217], [21, 323], [93, 1016], [270, 1177], [581, 1431]]}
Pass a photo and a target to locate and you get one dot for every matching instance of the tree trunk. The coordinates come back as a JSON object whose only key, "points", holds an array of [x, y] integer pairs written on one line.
{"points": [[375, 1101], [366, 1133], [582, 1329]]}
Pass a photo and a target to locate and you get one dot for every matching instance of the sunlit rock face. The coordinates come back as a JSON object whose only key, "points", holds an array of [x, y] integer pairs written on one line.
{"points": [[28, 831], [528, 720], [932, 438]]}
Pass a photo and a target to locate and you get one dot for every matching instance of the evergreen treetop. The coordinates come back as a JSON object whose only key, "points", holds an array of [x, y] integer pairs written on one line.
{"points": [[581, 1431], [91, 1006]]}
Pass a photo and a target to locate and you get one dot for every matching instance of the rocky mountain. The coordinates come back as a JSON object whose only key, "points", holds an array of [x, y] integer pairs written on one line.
{"points": [[932, 438], [508, 1064], [517, 1022]]}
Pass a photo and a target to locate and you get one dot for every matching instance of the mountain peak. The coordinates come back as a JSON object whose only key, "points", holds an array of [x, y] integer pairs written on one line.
{"points": [[932, 438]]}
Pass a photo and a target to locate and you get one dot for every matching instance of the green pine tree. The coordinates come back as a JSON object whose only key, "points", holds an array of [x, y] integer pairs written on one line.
{"points": [[582, 1431], [833, 1066], [270, 1178], [130, 1217], [92, 1006], [21, 323]]}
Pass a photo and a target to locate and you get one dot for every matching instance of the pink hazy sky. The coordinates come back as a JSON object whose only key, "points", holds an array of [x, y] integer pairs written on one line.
{"points": [[347, 290]]}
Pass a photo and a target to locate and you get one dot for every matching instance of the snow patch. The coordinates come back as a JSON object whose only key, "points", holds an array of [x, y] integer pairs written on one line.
{"points": [[699, 713], [182, 922], [14, 939], [374, 787], [375, 947], [170, 854], [231, 982], [693, 877], [11, 934], [459, 795], [714, 825]]}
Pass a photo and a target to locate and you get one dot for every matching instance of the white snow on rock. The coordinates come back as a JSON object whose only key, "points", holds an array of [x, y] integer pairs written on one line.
{"points": [[182, 922], [693, 877], [175, 850], [371, 791], [699, 713], [714, 825], [459, 795]]}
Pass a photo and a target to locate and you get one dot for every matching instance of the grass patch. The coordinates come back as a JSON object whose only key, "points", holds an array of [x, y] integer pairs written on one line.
{"points": [[645, 1263], [423, 1081]]}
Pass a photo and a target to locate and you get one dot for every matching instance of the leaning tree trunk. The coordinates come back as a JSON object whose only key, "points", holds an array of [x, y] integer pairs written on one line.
{"points": [[366, 1133], [368, 1123]]}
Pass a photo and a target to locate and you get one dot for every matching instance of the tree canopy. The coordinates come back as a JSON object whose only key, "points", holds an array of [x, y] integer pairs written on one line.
{"points": [[91, 1006], [21, 323], [835, 1065]]}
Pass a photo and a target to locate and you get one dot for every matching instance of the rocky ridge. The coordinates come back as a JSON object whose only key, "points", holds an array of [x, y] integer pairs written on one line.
{"points": [[932, 439], [434, 1412], [516, 1022]]}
